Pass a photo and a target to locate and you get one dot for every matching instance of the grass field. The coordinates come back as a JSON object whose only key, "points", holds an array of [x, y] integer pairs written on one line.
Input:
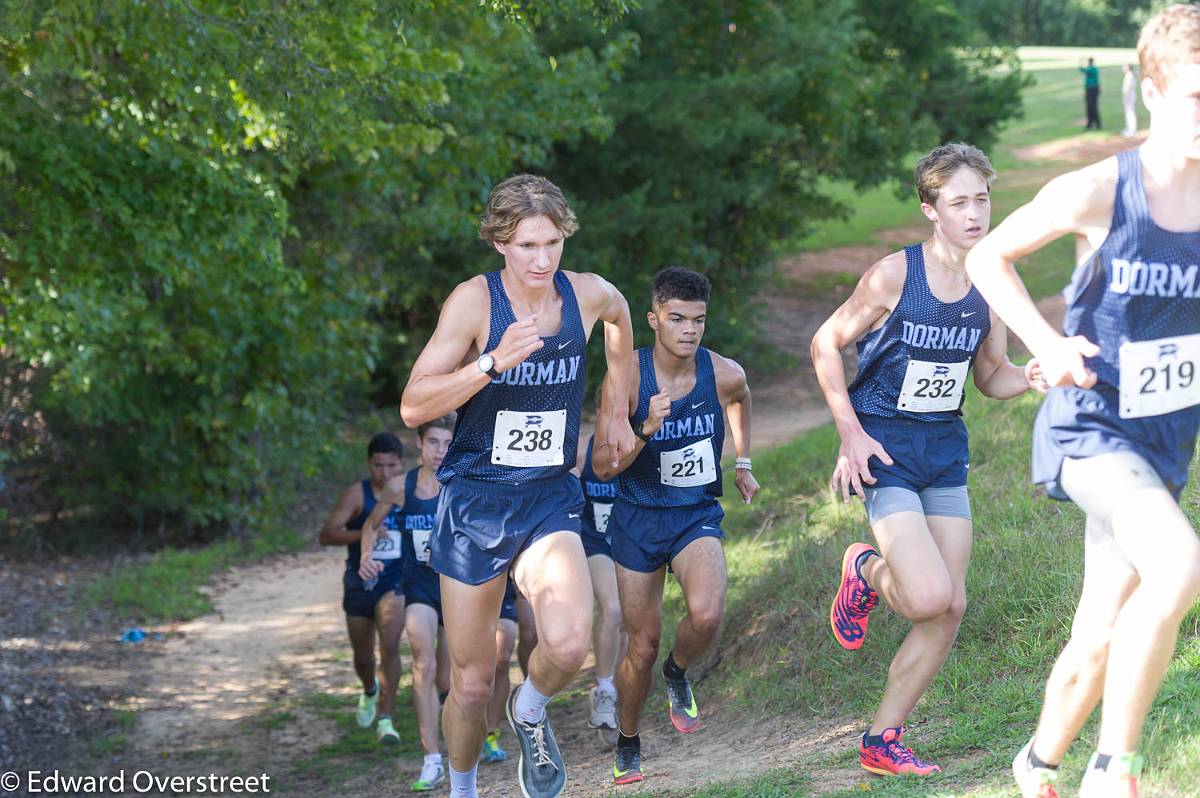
{"points": [[1025, 576], [1024, 579], [778, 655]]}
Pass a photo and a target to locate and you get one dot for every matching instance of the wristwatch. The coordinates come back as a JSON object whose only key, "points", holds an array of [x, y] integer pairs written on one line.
{"points": [[642, 435], [487, 364]]}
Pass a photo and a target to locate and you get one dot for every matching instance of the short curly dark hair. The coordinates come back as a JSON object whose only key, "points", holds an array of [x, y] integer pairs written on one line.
{"points": [[676, 282], [385, 443]]}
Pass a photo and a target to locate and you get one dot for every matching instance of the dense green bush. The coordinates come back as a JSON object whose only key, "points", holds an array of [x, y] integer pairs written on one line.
{"points": [[224, 224]]}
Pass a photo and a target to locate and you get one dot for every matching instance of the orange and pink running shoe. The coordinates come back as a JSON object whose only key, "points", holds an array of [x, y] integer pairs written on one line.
{"points": [[891, 758], [854, 600]]}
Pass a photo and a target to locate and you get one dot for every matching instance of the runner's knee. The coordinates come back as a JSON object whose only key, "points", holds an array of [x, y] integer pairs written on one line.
{"points": [[610, 613], [567, 644], [643, 647], [472, 688], [929, 601]]}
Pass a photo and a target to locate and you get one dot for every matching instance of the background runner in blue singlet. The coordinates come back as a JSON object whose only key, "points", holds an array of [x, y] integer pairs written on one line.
{"points": [[508, 353], [921, 328], [379, 607], [666, 514], [607, 635], [1118, 435], [417, 495]]}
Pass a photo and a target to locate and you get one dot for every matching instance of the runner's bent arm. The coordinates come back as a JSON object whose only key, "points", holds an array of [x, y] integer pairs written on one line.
{"points": [[994, 375], [659, 409], [1078, 202], [392, 494], [442, 380], [614, 428], [334, 532], [735, 393], [875, 296]]}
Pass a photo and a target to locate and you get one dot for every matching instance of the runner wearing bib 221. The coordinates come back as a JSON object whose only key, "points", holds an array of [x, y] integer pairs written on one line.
{"points": [[666, 515]]}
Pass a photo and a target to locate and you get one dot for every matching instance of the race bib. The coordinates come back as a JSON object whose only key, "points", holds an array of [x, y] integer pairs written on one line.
{"points": [[1159, 376], [602, 512], [421, 543], [688, 467], [387, 545], [932, 387], [529, 440]]}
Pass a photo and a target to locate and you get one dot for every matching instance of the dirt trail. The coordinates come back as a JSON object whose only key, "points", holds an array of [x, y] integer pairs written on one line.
{"points": [[232, 692]]}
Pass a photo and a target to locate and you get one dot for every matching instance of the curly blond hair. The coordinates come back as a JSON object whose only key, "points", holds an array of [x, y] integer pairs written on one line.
{"points": [[1170, 38], [522, 197]]}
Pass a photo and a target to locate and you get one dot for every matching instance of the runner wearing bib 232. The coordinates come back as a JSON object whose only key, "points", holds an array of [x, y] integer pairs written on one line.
{"points": [[921, 329]]}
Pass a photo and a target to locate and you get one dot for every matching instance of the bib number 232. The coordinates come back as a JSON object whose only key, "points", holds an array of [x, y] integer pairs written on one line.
{"points": [[529, 440], [932, 387]]}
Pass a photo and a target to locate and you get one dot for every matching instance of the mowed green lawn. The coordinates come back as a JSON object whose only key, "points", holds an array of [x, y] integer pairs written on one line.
{"points": [[784, 555], [1053, 110]]}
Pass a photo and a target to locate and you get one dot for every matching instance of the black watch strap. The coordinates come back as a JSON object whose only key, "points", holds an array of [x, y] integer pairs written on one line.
{"points": [[638, 432], [495, 375]]}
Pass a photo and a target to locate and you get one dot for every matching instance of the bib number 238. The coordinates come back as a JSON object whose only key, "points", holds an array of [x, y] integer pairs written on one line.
{"points": [[529, 440]]}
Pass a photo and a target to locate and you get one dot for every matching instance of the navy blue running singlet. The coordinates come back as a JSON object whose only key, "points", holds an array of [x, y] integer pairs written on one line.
{"points": [[916, 365], [596, 492], [1137, 298], [524, 426], [418, 522], [681, 465], [389, 535], [1140, 285]]}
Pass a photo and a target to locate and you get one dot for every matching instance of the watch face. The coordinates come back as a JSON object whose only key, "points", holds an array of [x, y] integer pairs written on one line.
{"points": [[485, 363]]}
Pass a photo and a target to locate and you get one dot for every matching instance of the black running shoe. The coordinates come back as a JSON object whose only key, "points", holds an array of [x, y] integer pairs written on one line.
{"points": [[627, 766], [541, 771], [685, 717]]}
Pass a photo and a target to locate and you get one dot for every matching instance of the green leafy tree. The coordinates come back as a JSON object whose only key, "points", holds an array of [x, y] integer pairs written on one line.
{"points": [[200, 203], [732, 116]]}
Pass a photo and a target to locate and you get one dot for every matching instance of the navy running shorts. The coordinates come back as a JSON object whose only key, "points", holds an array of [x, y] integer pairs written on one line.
{"points": [[925, 454], [647, 538], [481, 527], [1081, 423], [359, 602]]}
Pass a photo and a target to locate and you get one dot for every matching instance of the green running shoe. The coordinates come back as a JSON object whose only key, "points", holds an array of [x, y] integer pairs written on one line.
{"points": [[492, 752], [385, 732], [432, 774], [365, 714]]}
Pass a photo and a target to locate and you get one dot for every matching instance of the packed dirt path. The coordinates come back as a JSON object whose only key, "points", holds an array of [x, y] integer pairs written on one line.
{"points": [[265, 683]]}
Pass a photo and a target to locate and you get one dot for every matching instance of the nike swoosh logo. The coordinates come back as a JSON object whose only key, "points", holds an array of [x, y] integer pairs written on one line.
{"points": [[972, 313], [708, 527], [572, 515], [697, 405], [564, 345]]}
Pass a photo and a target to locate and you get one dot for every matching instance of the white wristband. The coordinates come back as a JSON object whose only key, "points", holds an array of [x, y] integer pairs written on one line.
{"points": [[742, 463]]}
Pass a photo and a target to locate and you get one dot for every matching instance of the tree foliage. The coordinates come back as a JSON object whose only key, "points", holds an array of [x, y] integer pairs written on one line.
{"points": [[224, 222], [200, 203], [1079, 23]]}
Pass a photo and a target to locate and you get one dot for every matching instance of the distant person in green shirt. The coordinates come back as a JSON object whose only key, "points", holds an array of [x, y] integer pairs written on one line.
{"points": [[1091, 93]]}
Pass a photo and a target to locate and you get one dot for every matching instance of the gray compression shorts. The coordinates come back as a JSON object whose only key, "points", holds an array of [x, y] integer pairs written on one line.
{"points": [[950, 502]]}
